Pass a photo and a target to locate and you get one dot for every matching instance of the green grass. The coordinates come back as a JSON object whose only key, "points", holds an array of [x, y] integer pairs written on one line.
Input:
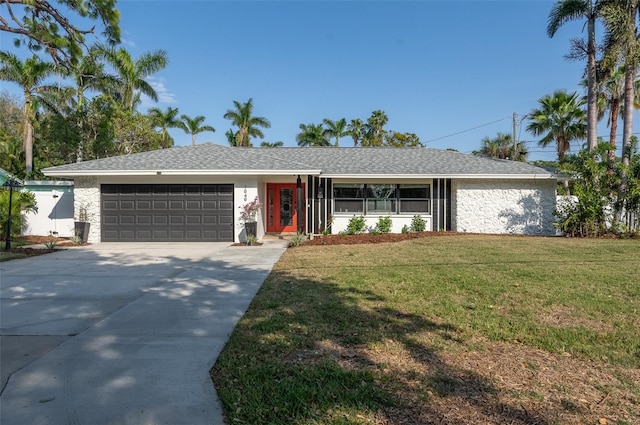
{"points": [[339, 334]]}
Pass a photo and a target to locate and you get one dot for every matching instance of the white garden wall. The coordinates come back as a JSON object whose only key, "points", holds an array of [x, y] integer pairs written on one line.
{"points": [[504, 206], [54, 217]]}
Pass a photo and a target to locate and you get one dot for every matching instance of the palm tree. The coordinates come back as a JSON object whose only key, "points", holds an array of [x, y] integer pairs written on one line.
{"points": [[374, 129], [501, 147], [132, 73], [622, 44], [165, 120], [193, 126], [561, 119], [569, 10], [277, 144], [356, 130], [335, 129], [29, 75], [247, 124], [231, 137], [312, 135]]}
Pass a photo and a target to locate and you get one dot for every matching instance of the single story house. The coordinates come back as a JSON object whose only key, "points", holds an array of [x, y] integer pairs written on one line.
{"points": [[196, 193]]}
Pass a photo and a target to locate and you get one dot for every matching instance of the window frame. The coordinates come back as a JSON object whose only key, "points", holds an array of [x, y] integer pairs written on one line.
{"points": [[365, 190]]}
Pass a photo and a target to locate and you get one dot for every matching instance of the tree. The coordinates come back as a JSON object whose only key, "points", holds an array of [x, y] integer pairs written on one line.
{"points": [[356, 130], [134, 132], [335, 129], [132, 73], [231, 137], [247, 124], [271, 144], [401, 140], [165, 120], [559, 119], [569, 10], [193, 126], [41, 25], [11, 124], [374, 129], [622, 46], [29, 75], [312, 135], [501, 147]]}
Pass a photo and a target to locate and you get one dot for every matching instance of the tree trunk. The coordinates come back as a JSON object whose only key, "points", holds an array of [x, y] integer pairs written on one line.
{"points": [[613, 128], [592, 117], [627, 123]]}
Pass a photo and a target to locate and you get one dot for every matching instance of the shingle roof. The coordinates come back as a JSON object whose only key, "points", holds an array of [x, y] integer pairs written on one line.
{"points": [[211, 158]]}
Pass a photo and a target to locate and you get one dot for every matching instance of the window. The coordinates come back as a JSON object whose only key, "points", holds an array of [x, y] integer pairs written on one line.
{"points": [[414, 198], [348, 198], [382, 198]]}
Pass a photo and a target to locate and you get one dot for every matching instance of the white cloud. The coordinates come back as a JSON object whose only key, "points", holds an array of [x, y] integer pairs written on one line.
{"points": [[164, 95]]}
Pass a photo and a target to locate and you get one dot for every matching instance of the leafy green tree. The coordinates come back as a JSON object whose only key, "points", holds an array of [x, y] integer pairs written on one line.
{"points": [[600, 203], [134, 132], [131, 73], [335, 129], [501, 147], [401, 140], [164, 120], [569, 10], [11, 154], [248, 125], [193, 126], [356, 129], [55, 28], [29, 75], [271, 144], [312, 135], [560, 119]]}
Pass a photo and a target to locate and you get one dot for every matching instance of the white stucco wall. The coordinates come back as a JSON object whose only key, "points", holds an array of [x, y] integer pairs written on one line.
{"points": [[504, 206]]}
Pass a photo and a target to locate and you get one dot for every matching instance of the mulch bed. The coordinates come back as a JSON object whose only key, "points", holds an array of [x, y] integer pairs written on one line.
{"points": [[367, 238]]}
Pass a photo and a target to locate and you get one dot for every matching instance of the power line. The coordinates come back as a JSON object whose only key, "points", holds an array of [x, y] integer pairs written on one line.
{"points": [[469, 129]]}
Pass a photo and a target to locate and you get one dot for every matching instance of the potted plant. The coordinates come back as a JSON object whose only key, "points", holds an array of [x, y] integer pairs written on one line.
{"points": [[82, 224], [248, 213]]}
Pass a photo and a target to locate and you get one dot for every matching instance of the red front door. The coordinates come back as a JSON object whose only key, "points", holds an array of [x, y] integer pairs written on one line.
{"points": [[282, 216]]}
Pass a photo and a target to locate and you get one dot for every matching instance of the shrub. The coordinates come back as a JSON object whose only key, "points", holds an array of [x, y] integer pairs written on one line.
{"points": [[356, 225], [384, 225], [22, 202], [297, 239], [405, 229], [418, 224]]}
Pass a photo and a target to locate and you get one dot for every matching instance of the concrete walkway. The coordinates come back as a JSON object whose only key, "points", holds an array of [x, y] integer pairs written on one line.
{"points": [[117, 333]]}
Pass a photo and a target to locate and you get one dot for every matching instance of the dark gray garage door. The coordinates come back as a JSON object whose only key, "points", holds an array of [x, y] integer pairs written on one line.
{"points": [[167, 212]]}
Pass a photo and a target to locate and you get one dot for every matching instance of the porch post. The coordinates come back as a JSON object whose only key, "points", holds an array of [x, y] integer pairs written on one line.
{"points": [[299, 205]]}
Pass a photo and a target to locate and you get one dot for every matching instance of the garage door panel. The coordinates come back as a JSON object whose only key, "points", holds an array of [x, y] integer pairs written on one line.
{"points": [[167, 212]]}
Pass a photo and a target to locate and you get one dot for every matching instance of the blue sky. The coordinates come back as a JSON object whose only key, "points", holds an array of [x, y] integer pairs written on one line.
{"points": [[437, 68]]}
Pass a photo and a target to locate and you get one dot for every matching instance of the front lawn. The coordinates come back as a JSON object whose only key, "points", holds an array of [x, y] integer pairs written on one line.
{"points": [[458, 329]]}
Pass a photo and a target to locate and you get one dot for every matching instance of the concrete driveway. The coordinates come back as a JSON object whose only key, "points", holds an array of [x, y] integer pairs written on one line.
{"points": [[117, 333]]}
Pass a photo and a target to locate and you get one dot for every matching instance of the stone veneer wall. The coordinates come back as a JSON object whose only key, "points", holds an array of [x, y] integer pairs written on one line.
{"points": [[87, 194], [504, 206]]}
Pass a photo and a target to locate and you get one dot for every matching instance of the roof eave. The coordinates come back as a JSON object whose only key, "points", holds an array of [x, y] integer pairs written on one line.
{"points": [[443, 176], [159, 172]]}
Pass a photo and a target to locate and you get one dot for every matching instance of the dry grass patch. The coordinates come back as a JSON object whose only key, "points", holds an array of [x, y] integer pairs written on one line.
{"points": [[454, 330]]}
